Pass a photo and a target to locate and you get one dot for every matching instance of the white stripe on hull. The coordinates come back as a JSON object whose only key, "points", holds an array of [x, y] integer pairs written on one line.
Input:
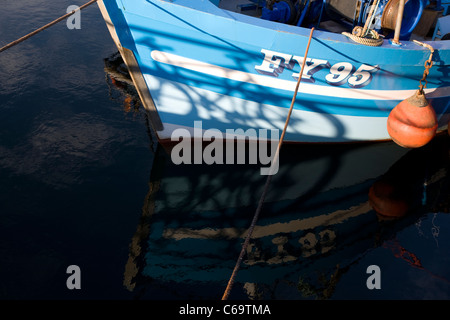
{"points": [[307, 88]]}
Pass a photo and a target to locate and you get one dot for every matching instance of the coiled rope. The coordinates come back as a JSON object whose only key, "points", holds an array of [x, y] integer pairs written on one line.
{"points": [[373, 40], [366, 36], [269, 178], [46, 26]]}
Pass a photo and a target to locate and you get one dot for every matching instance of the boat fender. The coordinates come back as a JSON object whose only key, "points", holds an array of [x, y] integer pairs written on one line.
{"points": [[412, 123]]}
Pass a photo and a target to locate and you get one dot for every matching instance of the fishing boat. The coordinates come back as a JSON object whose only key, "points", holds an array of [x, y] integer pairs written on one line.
{"points": [[327, 210], [232, 66]]}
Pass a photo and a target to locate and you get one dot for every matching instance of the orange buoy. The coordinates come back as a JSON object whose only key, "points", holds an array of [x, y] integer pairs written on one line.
{"points": [[412, 123]]}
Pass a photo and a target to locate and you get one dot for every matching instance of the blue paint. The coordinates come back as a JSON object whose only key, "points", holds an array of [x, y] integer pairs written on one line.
{"points": [[206, 34]]}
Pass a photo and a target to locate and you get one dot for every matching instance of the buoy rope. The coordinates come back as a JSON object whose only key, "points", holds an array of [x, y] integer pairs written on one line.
{"points": [[428, 64], [46, 26], [269, 178]]}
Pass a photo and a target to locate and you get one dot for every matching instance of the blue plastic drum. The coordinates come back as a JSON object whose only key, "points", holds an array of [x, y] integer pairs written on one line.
{"points": [[411, 16]]}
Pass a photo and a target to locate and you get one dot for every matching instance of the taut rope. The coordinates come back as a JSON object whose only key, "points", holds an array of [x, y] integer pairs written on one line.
{"points": [[46, 26], [269, 178]]}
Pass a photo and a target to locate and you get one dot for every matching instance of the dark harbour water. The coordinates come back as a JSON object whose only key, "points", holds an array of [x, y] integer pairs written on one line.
{"points": [[84, 182]]}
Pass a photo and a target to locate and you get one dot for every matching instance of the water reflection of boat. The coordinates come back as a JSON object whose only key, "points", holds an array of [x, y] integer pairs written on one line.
{"points": [[316, 222], [399, 189], [118, 79]]}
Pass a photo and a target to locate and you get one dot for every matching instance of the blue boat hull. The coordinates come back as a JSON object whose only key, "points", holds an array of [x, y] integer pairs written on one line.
{"points": [[234, 72]]}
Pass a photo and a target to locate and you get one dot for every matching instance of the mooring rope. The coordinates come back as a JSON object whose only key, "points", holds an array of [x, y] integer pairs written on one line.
{"points": [[269, 178], [46, 26]]}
